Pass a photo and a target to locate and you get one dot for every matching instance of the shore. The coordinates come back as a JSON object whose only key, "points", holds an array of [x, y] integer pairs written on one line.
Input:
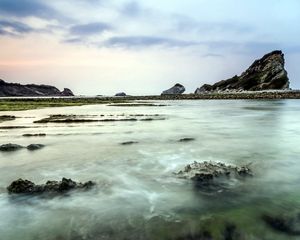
{"points": [[28, 103]]}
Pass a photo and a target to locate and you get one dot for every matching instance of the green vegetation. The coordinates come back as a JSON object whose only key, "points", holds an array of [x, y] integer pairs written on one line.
{"points": [[18, 104], [35, 103]]}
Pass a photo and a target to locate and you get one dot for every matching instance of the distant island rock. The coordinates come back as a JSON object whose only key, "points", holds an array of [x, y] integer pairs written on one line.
{"points": [[30, 90], [121, 94], [176, 90], [267, 73]]}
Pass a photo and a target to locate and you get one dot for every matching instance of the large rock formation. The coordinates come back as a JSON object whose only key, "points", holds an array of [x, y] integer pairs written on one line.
{"points": [[30, 90], [266, 73], [177, 89]]}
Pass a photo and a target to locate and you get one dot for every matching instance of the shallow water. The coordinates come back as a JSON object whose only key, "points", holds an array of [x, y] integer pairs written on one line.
{"points": [[137, 195]]}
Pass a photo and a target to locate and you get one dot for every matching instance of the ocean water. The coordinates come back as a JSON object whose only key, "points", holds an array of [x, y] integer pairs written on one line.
{"points": [[137, 194]]}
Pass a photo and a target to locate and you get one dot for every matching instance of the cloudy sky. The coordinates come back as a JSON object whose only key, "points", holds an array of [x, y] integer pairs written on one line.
{"points": [[142, 47]]}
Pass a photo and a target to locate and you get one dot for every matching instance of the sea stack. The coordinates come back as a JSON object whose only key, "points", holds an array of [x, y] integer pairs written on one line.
{"points": [[267, 73], [31, 90], [176, 90]]}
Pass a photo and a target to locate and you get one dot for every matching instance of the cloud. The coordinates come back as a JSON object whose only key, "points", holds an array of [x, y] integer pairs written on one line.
{"points": [[74, 41], [26, 8], [188, 24], [14, 28], [131, 9], [90, 28], [145, 41]]}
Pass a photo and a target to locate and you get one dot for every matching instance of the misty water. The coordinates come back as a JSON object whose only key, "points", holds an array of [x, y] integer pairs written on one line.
{"points": [[137, 194]]}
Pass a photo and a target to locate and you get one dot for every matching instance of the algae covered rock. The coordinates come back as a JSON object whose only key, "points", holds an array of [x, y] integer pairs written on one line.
{"points": [[213, 175], [21, 186]]}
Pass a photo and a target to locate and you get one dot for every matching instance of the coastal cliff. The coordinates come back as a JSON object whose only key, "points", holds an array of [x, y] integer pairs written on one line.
{"points": [[30, 90], [267, 73]]}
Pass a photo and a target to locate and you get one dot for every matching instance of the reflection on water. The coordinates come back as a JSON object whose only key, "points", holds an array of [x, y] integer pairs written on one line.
{"points": [[138, 196]]}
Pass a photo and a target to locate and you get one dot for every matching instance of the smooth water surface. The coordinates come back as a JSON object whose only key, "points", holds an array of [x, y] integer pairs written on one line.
{"points": [[137, 194]]}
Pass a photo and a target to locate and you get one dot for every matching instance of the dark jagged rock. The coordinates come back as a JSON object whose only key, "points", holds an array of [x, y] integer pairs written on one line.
{"points": [[284, 224], [4, 118], [34, 135], [213, 175], [176, 90], [129, 143], [21, 186], [29, 90], [267, 73], [121, 94], [10, 147], [137, 105], [33, 147], [188, 139]]}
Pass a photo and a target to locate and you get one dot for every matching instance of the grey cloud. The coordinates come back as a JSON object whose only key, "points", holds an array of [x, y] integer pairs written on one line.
{"points": [[90, 28], [145, 41], [25, 8], [74, 40], [17, 28], [184, 23], [131, 9]]}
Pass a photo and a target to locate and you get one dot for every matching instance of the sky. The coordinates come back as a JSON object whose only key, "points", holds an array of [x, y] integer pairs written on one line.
{"points": [[101, 47]]}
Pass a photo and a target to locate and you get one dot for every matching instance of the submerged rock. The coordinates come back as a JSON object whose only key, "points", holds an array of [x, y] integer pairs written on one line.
{"points": [[264, 74], [204, 235], [10, 147], [33, 147], [285, 224], [21, 186], [213, 175], [188, 139], [129, 143], [176, 90], [34, 135], [4, 118]]}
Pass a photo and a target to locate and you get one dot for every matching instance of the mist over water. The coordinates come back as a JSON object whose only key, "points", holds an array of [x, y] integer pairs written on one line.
{"points": [[137, 195]]}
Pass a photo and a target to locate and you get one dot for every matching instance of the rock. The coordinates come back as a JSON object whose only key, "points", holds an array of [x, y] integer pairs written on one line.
{"points": [[34, 135], [176, 90], [203, 235], [21, 186], [267, 73], [121, 94], [230, 232], [10, 147], [213, 175], [204, 88], [129, 143], [33, 147], [285, 224], [67, 92], [4, 118], [30, 90], [186, 139]]}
